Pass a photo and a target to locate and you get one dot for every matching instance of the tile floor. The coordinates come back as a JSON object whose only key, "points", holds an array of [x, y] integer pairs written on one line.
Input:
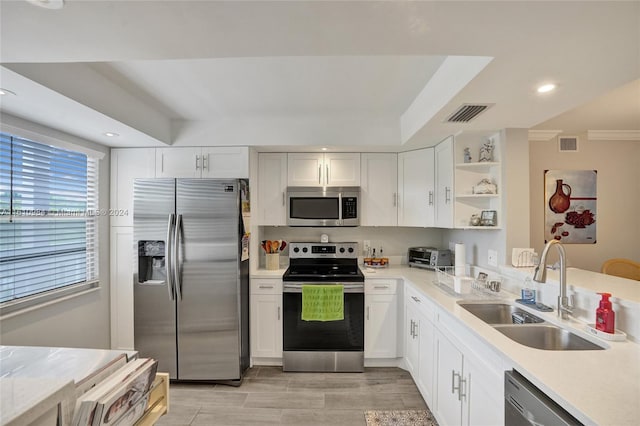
{"points": [[270, 396]]}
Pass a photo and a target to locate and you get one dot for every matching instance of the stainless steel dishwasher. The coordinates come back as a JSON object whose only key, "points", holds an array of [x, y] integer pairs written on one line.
{"points": [[526, 405]]}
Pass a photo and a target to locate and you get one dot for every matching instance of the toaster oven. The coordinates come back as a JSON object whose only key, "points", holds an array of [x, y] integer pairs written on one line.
{"points": [[428, 257]]}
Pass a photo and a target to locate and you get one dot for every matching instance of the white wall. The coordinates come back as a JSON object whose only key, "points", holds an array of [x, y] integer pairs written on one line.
{"points": [[618, 192], [80, 321], [394, 240]]}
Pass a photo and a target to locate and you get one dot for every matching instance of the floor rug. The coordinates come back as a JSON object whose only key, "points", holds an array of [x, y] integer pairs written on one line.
{"points": [[400, 418]]}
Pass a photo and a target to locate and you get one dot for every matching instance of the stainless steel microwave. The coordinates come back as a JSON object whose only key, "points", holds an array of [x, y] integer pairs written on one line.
{"points": [[323, 206]]}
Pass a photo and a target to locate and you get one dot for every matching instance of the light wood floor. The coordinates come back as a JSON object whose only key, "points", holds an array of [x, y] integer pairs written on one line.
{"points": [[270, 396]]}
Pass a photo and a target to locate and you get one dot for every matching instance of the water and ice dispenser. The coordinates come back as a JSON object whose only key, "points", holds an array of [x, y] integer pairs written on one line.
{"points": [[151, 262]]}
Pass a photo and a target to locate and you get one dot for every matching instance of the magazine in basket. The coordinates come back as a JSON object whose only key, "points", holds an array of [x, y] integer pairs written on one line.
{"points": [[111, 399]]}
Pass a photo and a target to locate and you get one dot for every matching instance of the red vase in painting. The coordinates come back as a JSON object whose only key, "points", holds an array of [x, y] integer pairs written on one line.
{"points": [[560, 201]]}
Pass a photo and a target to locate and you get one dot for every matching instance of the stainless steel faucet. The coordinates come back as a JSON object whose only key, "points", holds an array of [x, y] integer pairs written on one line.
{"points": [[565, 303]]}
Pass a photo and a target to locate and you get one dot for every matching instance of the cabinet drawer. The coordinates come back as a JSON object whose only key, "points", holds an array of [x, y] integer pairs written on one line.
{"points": [[378, 286], [266, 286], [421, 303]]}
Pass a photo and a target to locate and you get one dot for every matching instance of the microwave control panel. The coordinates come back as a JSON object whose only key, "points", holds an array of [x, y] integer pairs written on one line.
{"points": [[350, 207]]}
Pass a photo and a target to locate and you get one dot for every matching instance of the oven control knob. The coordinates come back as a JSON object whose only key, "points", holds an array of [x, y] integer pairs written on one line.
{"points": [[350, 249], [295, 250], [304, 249], [341, 249]]}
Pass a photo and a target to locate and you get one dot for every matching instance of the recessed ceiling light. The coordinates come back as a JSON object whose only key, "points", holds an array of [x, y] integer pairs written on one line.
{"points": [[545, 88], [111, 134], [6, 92], [48, 4]]}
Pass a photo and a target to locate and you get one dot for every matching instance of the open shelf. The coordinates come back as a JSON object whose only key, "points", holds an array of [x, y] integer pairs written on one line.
{"points": [[478, 166], [469, 175]]}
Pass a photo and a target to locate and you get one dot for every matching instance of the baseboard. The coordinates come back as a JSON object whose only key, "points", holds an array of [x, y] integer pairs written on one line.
{"points": [[383, 362], [267, 362]]}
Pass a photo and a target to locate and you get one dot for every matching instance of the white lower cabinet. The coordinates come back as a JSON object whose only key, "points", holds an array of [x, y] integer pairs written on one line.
{"points": [[266, 318], [426, 374], [381, 319], [420, 342], [451, 386], [468, 391], [460, 382], [485, 394]]}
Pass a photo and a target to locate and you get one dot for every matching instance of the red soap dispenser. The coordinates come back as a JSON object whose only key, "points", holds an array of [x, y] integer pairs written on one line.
{"points": [[605, 317]]}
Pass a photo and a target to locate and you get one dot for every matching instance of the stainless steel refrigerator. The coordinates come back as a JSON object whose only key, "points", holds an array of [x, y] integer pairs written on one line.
{"points": [[191, 288]]}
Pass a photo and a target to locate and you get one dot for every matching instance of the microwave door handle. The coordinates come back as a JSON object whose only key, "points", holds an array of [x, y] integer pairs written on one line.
{"points": [[340, 220]]}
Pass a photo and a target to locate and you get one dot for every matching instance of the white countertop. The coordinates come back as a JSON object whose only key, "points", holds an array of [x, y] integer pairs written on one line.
{"points": [[23, 400], [265, 273], [597, 387], [34, 379]]}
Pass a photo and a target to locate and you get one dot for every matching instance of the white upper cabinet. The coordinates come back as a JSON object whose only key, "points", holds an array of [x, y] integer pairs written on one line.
{"points": [[225, 162], [332, 169], [444, 183], [178, 162], [208, 162], [416, 188], [305, 169], [379, 186], [272, 187], [342, 169], [127, 165]]}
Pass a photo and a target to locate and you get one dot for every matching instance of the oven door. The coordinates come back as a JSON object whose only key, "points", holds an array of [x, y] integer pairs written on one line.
{"points": [[323, 336]]}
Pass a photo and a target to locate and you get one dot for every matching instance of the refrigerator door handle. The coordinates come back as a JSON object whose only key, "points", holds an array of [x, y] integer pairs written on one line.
{"points": [[168, 255], [178, 256]]}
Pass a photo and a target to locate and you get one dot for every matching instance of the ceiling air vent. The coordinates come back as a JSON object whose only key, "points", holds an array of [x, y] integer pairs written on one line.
{"points": [[567, 143], [467, 112]]}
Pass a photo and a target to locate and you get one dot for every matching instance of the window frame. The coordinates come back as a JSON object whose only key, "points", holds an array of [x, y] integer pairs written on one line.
{"points": [[91, 215]]}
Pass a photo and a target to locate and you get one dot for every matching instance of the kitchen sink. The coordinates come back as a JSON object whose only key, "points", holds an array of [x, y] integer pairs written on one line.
{"points": [[500, 313], [527, 329], [547, 337]]}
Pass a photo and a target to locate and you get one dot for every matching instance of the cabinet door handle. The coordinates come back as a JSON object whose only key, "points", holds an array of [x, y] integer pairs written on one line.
{"points": [[380, 286], [411, 329], [278, 312], [265, 286], [416, 299], [462, 392], [430, 198], [205, 161], [283, 198], [457, 387], [197, 162], [415, 330], [447, 194], [395, 199], [319, 175], [367, 313], [327, 178]]}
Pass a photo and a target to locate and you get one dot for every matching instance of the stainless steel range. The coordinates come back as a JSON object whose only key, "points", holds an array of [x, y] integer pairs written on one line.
{"points": [[329, 346]]}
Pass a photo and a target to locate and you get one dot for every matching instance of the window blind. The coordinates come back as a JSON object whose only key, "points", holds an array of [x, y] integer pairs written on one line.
{"points": [[48, 218]]}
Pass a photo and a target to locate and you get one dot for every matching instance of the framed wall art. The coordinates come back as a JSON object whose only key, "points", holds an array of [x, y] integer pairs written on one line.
{"points": [[570, 206]]}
